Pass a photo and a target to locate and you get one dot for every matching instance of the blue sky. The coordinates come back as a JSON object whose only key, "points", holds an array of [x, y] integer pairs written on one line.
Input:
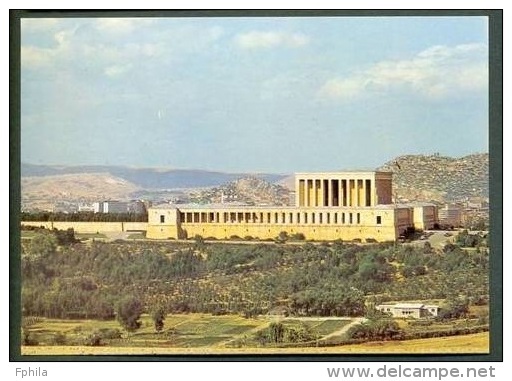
{"points": [[252, 94]]}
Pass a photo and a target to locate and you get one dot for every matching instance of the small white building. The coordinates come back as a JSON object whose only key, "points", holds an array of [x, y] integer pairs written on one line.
{"points": [[110, 207], [404, 310], [84, 207]]}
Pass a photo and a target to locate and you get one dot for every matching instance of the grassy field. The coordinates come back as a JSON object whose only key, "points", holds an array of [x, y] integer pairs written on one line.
{"points": [[207, 334], [27, 233]]}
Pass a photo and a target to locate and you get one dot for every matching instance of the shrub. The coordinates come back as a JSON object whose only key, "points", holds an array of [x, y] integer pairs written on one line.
{"points": [[282, 237], [59, 339], [93, 340], [28, 338], [297, 237], [379, 329], [109, 333]]}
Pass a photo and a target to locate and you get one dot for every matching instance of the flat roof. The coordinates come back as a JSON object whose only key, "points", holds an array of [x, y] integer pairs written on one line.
{"points": [[408, 305], [338, 173], [238, 206]]}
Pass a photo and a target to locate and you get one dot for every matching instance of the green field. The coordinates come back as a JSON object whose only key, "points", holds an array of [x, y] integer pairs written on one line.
{"points": [[181, 331], [205, 333]]}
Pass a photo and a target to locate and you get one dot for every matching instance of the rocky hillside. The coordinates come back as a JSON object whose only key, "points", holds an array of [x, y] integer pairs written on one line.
{"points": [[250, 190], [439, 178]]}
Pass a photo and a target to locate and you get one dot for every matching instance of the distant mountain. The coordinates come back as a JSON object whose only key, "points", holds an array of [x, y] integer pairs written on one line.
{"points": [[430, 178], [439, 178], [149, 178]]}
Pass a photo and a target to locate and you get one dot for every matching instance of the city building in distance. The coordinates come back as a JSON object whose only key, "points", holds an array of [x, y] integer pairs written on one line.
{"points": [[353, 205]]}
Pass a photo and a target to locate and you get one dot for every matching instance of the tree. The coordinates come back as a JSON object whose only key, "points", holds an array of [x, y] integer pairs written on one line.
{"points": [[454, 308], [42, 245], [158, 316], [65, 237], [276, 332], [128, 311]]}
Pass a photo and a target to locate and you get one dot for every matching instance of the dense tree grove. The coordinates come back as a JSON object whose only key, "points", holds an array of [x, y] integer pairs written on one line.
{"points": [[84, 217], [64, 279]]}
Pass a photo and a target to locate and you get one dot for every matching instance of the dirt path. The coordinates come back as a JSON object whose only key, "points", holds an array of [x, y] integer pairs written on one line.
{"points": [[112, 236]]}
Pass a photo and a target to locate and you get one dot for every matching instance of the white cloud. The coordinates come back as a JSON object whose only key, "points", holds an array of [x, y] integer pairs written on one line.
{"points": [[262, 40], [437, 72], [71, 51]]}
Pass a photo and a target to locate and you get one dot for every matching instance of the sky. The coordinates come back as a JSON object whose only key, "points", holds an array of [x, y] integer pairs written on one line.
{"points": [[241, 94]]}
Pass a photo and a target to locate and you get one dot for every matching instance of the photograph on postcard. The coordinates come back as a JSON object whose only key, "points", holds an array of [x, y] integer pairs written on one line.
{"points": [[218, 184]]}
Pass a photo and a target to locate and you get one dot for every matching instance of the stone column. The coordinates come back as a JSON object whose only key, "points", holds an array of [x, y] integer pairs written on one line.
{"points": [[364, 192], [306, 192], [314, 193], [320, 197], [372, 192]]}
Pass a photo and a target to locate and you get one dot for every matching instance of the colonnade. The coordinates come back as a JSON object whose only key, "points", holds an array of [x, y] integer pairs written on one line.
{"points": [[271, 217], [335, 192]]}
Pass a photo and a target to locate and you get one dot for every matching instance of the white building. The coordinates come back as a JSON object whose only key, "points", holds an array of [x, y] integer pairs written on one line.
{"points": [[110, 207], [404, 310]]}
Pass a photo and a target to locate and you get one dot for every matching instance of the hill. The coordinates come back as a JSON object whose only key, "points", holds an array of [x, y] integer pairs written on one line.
{"points": [[250, 190], [44, 186], [430, 178], [439, 178], [45, 191]]}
